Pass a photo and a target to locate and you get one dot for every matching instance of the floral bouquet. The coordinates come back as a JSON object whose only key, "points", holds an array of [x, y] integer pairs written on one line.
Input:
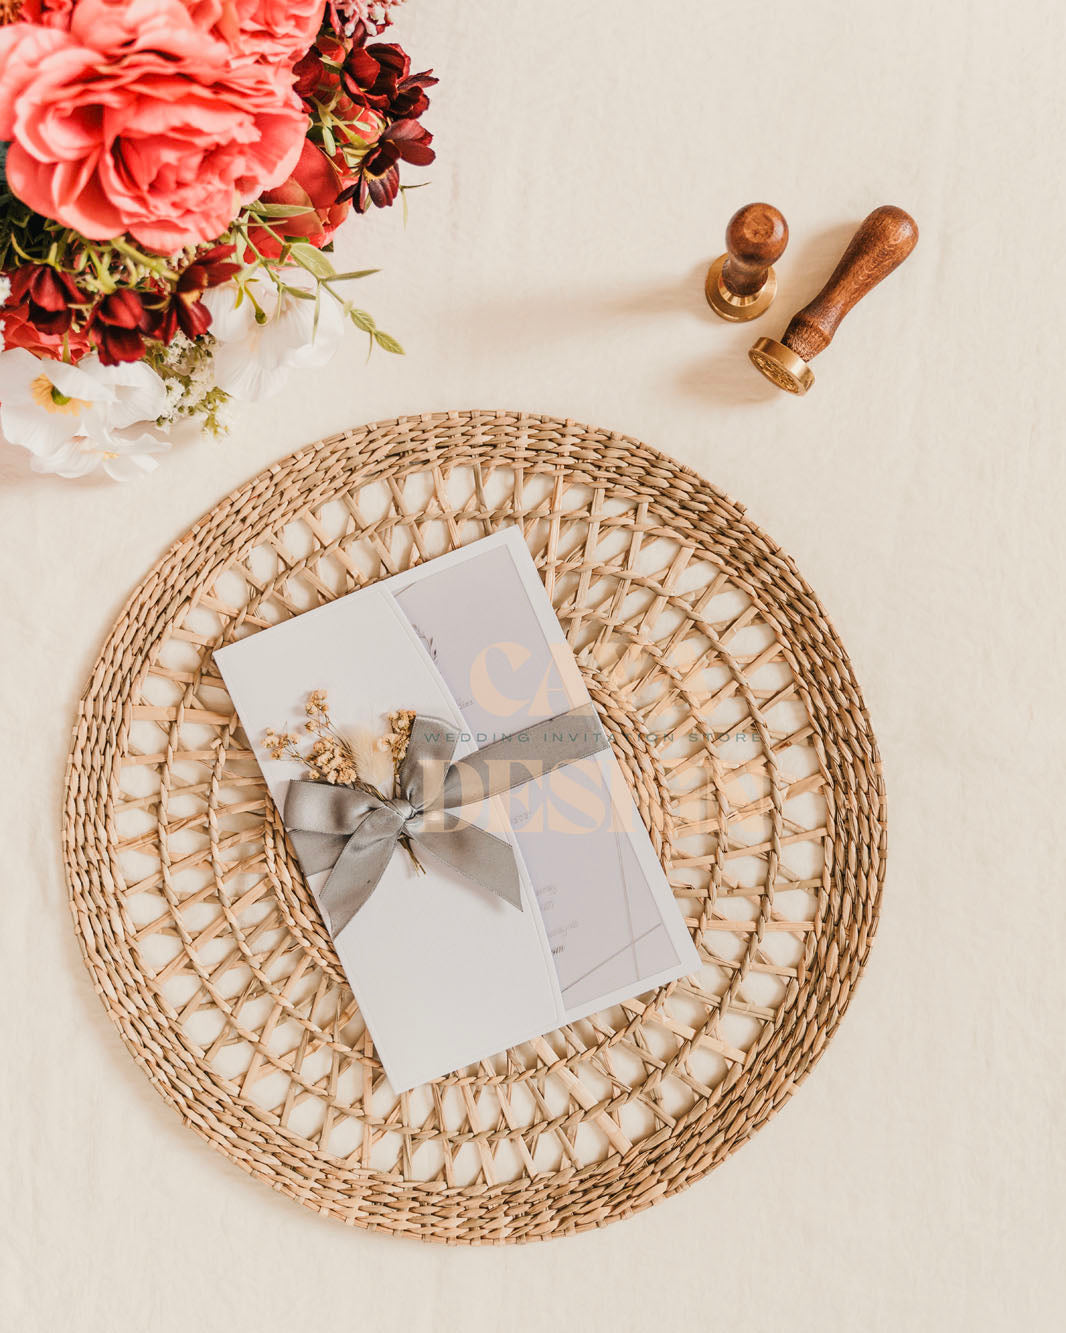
{"points": [[172, 173]]}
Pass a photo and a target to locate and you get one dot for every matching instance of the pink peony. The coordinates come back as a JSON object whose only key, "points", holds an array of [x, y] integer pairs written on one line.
{"points": [[48, 13], [272, 29], [139, 120]]}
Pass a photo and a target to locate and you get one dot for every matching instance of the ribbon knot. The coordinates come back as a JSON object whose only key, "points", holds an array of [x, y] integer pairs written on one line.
{"points": [[404, 809], [353, 832]]}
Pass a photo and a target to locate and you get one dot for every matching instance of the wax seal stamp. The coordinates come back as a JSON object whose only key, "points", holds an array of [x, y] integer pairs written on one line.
{"points": [[882, 243], [742, 283]]}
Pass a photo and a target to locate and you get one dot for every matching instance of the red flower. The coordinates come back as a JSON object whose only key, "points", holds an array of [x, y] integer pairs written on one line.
{"points": [[20, 331], [49, 296], [411, 100], [315, 185], [409, 142], [374, 73], [117, 326], [318, 73], [182, 308], [378, 181], [372, 94]]}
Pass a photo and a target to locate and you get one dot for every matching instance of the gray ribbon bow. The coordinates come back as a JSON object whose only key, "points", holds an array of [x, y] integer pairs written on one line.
{"points": [[354, 834]]}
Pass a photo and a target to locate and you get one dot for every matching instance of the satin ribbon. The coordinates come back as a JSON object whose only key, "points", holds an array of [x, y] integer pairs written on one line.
{"points": [[354, 834]]}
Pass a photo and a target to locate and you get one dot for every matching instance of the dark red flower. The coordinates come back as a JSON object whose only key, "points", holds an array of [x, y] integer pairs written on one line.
{"points": [[379, 190], [117, 326], [19, 331], [49, 296], [373, 74], [411, 100], [318, 73], [409, 141], [181, 308], [378, 181], [377, 100]]}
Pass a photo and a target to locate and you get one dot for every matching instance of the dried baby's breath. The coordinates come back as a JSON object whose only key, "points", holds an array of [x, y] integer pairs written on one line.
{"points": [[399, 738], [280, 744], [360, 759], [330, 757]]}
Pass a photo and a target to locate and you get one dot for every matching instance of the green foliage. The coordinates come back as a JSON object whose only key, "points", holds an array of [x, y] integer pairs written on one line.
{"points": [[316, 262], [24, 234], [101, 267]]}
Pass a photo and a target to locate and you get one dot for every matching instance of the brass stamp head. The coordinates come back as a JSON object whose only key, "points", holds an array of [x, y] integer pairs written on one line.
{"points": [[781, 366], [728, 304]]}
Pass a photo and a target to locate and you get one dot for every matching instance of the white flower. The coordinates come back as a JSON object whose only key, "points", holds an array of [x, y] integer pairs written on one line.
{"points": [[140, 394], [41, 402], [71, 417], [122, 457], [252, 358]]}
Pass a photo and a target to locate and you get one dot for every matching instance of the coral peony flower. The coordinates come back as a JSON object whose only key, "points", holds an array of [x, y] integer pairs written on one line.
{"points": [[139, 121], [315, 185], [272, 29], [48, 13]]}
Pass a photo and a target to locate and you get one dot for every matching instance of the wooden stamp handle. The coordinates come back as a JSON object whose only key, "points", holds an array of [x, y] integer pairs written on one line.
{"points": [[882, 243], [755, 240]]}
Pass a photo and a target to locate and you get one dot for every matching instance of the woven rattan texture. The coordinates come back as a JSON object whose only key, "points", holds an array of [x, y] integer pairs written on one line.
{"points": [[734, 710]]}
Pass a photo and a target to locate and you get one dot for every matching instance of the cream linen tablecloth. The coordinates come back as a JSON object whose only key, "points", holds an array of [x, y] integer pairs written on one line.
{"points": [[590, 154]]}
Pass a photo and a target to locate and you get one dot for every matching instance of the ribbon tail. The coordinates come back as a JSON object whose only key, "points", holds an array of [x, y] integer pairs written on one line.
{"points": [[316, 851], [524, 756], [353, 879], [475, 854]]}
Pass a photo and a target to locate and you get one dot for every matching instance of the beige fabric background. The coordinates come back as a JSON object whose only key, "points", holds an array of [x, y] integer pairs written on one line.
{"points": [[590, 154]]}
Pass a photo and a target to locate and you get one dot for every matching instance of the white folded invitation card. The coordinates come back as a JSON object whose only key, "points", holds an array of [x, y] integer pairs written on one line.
{"points": [[447, 972]]}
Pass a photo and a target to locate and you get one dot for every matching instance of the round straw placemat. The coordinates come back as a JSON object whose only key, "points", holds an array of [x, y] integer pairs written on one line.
{"points": [[733, 709]]}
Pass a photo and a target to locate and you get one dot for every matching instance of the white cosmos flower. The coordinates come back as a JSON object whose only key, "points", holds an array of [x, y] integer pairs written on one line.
{"points": [[71, 418], [140, 394], [122, 456], [252, 359]]}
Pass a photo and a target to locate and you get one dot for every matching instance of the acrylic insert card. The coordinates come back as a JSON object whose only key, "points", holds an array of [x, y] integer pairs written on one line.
{"points": [[445, 973]]}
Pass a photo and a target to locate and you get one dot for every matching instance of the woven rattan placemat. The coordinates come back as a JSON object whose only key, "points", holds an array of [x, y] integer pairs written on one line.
{"points": [[734, 710]]}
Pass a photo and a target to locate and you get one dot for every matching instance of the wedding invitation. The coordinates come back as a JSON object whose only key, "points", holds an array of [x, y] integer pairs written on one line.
{"points": [[447, 972]]}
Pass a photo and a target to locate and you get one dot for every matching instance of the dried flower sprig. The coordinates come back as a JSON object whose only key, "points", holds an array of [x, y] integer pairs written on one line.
{"points": [[399, 738], [333, 758]]}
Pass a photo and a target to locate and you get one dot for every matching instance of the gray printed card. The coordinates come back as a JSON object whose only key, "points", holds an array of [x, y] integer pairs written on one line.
{"points": [[447, 973]]}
